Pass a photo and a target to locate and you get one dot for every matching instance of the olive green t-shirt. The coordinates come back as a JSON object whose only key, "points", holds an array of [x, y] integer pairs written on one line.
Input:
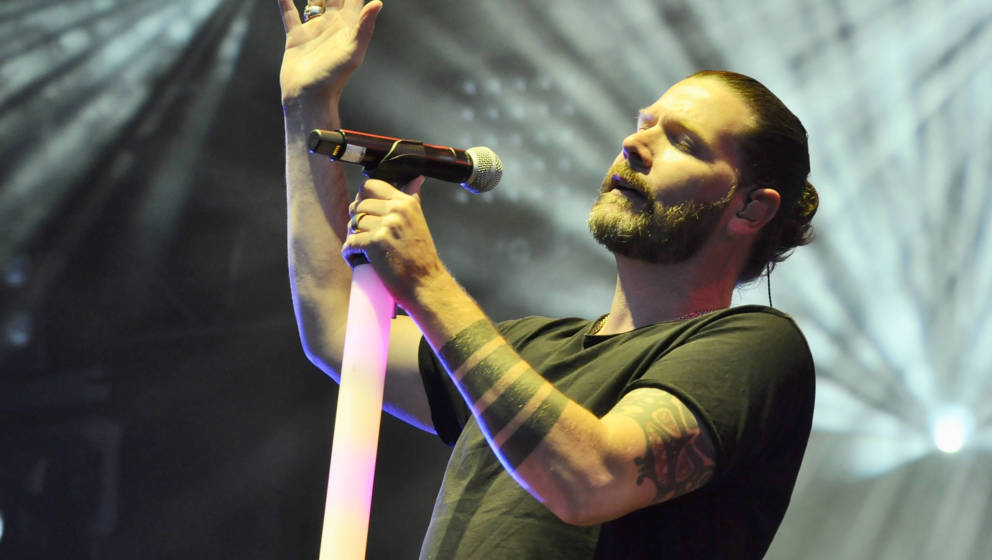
{"points": [[746, 373]]}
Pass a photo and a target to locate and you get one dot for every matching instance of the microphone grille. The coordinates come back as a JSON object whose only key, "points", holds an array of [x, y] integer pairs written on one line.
{"points": [[487, 169]]}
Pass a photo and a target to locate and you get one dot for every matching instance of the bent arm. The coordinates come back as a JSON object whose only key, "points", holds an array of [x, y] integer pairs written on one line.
{"points": [[650, 448], [317, 217], [584, 469], [317, 206]]}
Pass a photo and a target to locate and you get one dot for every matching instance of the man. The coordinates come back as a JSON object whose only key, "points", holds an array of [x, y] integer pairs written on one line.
{"points": [[672, 426]]}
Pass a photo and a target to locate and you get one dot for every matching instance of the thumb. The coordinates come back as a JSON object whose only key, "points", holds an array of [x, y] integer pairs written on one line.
{"points": [[413, 187]]}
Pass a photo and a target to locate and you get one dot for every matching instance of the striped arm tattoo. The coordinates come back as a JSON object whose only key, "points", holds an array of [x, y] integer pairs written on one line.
{"points": [[678, 457], [513, 404]]}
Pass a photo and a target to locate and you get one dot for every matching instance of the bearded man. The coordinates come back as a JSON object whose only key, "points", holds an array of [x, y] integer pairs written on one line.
{"points": [[672, 426]]}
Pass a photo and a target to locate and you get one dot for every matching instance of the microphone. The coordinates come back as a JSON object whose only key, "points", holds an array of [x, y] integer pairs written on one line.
{"points": [[398, 160]]}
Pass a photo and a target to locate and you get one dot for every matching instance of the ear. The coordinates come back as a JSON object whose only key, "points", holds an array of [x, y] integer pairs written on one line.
{"points": [[754, 211]]}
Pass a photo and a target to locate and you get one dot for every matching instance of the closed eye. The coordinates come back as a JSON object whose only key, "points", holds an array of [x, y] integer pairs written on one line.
{"points": [[684, 142]]}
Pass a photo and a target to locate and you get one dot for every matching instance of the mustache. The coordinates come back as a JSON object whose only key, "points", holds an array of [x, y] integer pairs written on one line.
{"points": [[621, 173]]}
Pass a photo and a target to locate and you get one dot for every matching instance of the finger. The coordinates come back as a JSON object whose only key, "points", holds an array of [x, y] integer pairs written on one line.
{"points": [[377, 188], [363, 223], [366, 22], [353, 6], [371, 207], [290, 15], [361, 196], [356, 244], [350, 248]]}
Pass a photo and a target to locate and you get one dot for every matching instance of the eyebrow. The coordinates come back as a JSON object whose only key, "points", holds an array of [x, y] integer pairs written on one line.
{"points": [[644, 115], [703, 148], [676, 123]]}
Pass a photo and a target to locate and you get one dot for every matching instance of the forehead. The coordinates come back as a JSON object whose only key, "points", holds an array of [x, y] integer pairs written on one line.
{"points": [[705, 105]]}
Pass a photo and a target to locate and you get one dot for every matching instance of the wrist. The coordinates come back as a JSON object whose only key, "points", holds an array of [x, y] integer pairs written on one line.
{"points": [[439, 304], [305, 114]]}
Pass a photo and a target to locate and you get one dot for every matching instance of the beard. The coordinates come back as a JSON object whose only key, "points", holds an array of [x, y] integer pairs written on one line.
{"points": [[651, 232]]}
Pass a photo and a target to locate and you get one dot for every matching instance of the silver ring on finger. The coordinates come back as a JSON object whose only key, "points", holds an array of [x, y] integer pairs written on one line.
{"points": [[311, 11]]}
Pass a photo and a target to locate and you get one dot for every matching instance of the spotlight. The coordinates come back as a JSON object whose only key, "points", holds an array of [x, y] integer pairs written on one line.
{"points": [[951, 427]]}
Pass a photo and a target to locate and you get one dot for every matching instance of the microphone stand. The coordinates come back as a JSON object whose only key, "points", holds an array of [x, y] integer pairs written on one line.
{"points": [[359, 408], [370, 310]]}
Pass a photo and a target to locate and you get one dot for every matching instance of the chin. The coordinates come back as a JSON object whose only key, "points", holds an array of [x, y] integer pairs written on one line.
{"points": [[643, 236]]}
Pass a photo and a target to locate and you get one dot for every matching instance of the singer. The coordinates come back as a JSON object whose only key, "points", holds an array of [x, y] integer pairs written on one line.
{"points": [[672, 426]]}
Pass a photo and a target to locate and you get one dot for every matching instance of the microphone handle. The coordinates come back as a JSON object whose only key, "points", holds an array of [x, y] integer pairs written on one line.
{"points": [[392, 159]]}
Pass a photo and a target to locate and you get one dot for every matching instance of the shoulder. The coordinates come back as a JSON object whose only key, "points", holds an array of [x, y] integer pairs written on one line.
{"points": [[747, 350], [750, 314], [755, 325]]}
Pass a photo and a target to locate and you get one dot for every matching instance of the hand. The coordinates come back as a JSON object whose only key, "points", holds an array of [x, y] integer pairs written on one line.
{"points": [[392, 233], [322, 53]]}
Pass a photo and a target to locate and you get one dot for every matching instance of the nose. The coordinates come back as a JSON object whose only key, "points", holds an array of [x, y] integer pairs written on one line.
{"points": [[636, 153]]}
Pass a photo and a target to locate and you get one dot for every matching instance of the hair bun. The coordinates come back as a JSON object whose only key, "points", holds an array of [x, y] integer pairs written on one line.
{"points": [[797, 229], [809, 201]]}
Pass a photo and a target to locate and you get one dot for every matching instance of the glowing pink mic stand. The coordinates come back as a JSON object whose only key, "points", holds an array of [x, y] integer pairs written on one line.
{"points": [[371, 308], [356, 424], [366, 345]]}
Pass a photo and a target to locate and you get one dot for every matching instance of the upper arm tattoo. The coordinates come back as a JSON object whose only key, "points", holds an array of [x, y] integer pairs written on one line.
{"points": [[515, 407], [679, 455]]}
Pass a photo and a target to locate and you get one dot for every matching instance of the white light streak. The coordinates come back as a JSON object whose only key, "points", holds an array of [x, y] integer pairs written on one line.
{"points": [[952, 426]]}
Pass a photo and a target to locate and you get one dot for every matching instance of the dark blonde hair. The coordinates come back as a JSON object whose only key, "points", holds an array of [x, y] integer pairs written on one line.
{"points": [[775, 155]]}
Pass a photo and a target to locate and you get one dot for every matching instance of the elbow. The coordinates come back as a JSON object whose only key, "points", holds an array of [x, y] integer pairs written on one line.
{"points": [[577, 518], [312, 355], [585, 505], [321, 334], [580, 515], [320, 344], [582, 488], [319, 358]]}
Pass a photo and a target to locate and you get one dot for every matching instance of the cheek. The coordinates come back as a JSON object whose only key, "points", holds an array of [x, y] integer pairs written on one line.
{"points": [[680, 164], [686, 178], [716, 187], [726, 177]]}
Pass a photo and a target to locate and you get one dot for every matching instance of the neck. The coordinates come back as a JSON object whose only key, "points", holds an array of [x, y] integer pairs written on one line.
{"points": [[651, 293]]}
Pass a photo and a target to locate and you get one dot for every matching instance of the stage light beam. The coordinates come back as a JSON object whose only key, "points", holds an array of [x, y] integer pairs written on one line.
{"points": [[951, 428]]}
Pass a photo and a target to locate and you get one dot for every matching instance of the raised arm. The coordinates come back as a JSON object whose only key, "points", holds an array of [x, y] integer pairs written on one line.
{"points": [[320, 56]]}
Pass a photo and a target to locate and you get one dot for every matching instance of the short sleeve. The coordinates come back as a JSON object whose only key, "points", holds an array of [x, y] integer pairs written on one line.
{"points": [[448, 411], [749, 378]]}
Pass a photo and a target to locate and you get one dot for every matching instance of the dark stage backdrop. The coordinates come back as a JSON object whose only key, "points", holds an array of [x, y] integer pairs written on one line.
{"points": [[154, 398]]}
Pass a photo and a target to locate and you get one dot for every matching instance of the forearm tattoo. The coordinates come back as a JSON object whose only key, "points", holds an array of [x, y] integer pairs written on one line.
{"points": [[678, 458], [515, 407]]}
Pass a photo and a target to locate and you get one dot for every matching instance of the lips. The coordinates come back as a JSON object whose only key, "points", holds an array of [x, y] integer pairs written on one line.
{"points": [[619, 184]]}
